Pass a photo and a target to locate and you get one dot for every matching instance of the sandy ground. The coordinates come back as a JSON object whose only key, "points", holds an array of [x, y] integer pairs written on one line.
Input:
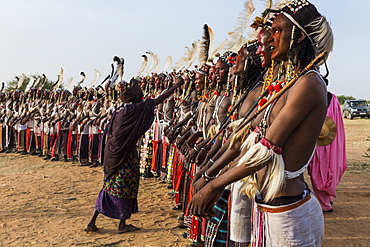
{"points": [[45, 203]]}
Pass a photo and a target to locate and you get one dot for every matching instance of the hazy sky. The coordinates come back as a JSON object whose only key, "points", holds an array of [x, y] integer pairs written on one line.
{"points": [[40, 36]]}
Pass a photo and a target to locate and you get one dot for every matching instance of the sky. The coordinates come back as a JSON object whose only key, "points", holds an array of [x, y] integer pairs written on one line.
{"points": [[42, 36]]}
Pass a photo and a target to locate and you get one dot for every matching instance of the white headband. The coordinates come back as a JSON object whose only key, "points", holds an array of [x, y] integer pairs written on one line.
{"points": [[299, 26]]}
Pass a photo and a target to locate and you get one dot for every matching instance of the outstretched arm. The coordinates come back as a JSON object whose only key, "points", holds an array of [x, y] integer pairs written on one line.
{"points": [[167, 93]]}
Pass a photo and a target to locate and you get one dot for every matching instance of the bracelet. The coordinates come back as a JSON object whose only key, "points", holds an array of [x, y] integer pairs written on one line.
{"points": [[205, 178], [195, 148], [208, 178], [211, 161], [203, 149]]}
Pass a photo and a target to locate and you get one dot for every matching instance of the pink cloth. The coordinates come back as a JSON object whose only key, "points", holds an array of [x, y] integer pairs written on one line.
{"points": [[329, 162]]}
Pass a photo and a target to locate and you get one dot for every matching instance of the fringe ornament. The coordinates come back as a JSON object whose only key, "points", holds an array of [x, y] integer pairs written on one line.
{"points": [[274, 181]]}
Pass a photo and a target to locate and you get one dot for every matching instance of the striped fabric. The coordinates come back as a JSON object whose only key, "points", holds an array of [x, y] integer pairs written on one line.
{"points": [[217, 232]]}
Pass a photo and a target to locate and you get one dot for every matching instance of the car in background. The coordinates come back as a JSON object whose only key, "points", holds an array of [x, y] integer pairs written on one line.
{"points": [[355, 108]]}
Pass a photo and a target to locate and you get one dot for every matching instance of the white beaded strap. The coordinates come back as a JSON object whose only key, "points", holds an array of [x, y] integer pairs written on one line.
{"points": [[295, 174]]}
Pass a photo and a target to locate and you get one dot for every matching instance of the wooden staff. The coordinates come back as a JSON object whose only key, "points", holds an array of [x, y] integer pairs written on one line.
{"points": [[226, 121]]}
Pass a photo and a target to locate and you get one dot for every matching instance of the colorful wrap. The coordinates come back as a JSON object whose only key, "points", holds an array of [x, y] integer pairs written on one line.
{"points": [[216, 233]]}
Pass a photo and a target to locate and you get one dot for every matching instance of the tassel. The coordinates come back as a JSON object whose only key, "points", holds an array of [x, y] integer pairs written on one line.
{"points": [[241, 134], [250, 141], [265, 154]]}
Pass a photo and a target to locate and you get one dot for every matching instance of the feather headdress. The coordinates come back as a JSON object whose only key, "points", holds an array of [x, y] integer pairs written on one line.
{"points": [[120, 66], [152, 61], [242, 24], [2, 86], [96, 77], [217, 51], [238, 44], [30, 83], [194, 53], [43, 81], [187, 56], [60, 79], [143, 65], [168, 64], [279, 4], [204, 46], [157, 63], [69, 83], [35, 85], [21, 80], [82, 79], [118, 73], [184, 59]]}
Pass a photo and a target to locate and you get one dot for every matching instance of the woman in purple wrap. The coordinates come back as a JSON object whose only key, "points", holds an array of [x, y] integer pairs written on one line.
{"points": [[118, 197]]}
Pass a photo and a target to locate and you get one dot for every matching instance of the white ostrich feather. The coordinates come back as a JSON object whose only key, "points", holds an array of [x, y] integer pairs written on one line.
{"points": [[168, 64], [242, 24], [96, 77], [21, 80], [36, 82], [194, 53], [217, 50], [69, 83], [60, 79], [281, 3], [238, 44], [184, 59], [152, 61], [157, 63], [143, 65], [211, 42], [44, 80], [30, 83]]}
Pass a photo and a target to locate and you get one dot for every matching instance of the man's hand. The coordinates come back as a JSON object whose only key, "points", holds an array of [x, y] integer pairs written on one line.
{"points": [[202, 202], [190, 157], [198, 185], [201, 156]]}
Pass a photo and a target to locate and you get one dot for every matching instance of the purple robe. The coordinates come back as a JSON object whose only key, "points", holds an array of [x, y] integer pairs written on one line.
{"points": [[126, 126], [118, 198]]}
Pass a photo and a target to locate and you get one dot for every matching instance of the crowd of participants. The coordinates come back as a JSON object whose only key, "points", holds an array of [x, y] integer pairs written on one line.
{"points": [[202, 132]]}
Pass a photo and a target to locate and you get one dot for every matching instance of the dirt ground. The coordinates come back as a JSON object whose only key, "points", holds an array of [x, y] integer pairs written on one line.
{"points": [[46, 203]]}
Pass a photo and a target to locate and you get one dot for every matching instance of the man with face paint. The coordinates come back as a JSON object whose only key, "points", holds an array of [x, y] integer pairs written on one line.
{"points": [[247, 68], [263, 47], [277, 153]]}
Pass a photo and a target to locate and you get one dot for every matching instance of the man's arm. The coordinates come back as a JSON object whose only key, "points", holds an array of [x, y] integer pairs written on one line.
{"points": [[167, 93], [307, 96]]}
